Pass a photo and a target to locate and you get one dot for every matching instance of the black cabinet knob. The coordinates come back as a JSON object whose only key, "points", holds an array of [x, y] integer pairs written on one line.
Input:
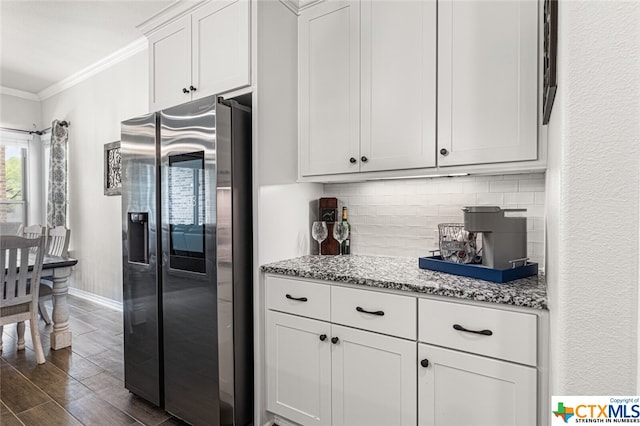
{"points": [[193, 89], [352, 160], [443, 151], [323, 337], [334, 340], [424, 363], [364, 159], [185, 90]]}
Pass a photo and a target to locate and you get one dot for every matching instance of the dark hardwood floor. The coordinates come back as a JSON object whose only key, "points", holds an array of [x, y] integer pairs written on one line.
{"points": [[81, 385]]}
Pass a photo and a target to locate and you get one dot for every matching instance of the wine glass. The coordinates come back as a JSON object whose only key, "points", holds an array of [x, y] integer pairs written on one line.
{"points": [[340, 233], [319, 233]]}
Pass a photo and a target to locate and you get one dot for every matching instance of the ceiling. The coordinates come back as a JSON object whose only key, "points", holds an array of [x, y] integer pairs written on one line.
{"points": [[44, 42]]}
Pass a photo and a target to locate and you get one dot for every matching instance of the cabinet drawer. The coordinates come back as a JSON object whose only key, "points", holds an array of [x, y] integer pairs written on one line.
{"points": [[299, 297], [506, 335], [381, 312]]}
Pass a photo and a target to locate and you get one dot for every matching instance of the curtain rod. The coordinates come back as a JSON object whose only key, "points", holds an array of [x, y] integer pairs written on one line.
{"points": [[63, 123]]}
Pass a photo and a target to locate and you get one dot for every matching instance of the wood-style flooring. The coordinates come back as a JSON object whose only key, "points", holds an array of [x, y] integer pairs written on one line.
{"points": [[81, 385]]}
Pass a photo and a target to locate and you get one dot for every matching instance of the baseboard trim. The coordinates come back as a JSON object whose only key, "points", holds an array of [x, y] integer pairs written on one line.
{"points": [[100, 300]]}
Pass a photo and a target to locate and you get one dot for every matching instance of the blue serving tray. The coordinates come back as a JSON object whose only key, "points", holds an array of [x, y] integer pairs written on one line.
{"points": [[435, 263]]}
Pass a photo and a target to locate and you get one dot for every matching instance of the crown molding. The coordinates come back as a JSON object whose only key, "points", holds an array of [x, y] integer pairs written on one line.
{"points": [[120, 55], [297, 6], [19, 94], [175, 10]]}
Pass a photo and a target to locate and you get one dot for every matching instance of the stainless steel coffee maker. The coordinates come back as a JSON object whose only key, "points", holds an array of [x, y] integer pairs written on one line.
{"points": [[504, 235]]}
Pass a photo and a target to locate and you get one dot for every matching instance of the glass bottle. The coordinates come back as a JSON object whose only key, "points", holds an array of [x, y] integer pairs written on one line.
{"points": [[346, 244]]}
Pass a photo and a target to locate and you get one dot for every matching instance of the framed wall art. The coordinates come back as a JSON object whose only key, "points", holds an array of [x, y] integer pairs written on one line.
{"points": [[550, 55], [112, 171]]}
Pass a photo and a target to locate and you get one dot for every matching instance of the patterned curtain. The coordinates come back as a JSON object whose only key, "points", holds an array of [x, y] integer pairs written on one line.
{"points": [[57, 196]]}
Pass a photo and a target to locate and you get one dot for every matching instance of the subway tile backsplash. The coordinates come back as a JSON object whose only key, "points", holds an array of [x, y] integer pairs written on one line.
{"points": [[401, 217]]}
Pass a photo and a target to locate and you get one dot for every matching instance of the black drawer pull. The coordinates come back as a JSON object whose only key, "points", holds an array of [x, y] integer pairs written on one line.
{"points": [[424, 363], [335, 340], [323, 337], [379, 313], [299, 299], [483, 332]]}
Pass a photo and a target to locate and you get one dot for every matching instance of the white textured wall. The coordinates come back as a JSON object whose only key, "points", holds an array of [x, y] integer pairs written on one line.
{"points": [[592, 200], [401, 217], [95, 108]]}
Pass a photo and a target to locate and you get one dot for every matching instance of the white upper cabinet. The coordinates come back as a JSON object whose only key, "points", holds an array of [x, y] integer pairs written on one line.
{"points": [[170, 64], [370, 70], [487, 81], [367, 86], [329, 78], [202, 53], [221, 58], [398, 51]]}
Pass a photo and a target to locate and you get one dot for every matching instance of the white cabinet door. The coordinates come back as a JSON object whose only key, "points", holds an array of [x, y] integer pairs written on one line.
{"points": [[329, 94], [460, 389], [221, 55], [298, 367], [487, 81], [398, 84], [170, 65], [374, 379]]}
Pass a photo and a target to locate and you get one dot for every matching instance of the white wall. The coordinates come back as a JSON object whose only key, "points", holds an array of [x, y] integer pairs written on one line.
{"points": [[19, 113], [283, 206], [401, 217], [95, 108], [592, 200]]}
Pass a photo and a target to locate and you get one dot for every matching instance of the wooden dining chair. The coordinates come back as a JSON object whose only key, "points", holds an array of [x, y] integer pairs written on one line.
{"points": [[57, 245], [19, 287], [33, 231]]}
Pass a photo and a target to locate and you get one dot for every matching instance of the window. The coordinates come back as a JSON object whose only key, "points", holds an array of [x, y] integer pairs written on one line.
{"points": [[13, 180]]}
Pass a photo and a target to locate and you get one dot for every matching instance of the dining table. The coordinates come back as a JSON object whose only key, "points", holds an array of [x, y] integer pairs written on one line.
{"points": [[58, 270]]}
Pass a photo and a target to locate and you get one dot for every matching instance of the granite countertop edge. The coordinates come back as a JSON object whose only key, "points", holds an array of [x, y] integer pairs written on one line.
{"points": [[403, 274]]}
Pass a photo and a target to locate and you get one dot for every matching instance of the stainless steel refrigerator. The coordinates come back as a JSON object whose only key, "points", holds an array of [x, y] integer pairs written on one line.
{"points": [[187, 260]]}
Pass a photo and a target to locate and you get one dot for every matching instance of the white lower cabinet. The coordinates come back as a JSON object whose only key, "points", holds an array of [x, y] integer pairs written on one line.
{"points": [[298, 361], [325, 374], [373, 379], [460, 389], [340, 356]]}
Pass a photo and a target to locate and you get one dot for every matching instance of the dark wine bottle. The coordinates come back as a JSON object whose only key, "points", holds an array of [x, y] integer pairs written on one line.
{"points": [[346, 244]]}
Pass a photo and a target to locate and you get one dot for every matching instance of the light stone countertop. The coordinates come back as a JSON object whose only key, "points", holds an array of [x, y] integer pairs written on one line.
{"points": [[403, 273]]}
